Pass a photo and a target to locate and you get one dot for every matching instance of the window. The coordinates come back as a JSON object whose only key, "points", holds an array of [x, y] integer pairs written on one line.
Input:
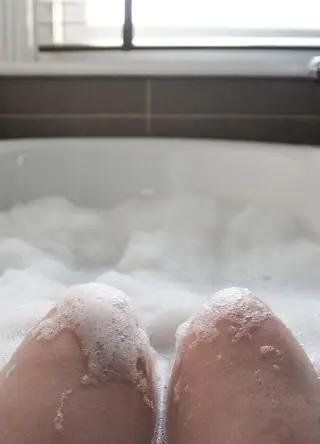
{"points": [[178, 23], [80, 22], [226, 22]]}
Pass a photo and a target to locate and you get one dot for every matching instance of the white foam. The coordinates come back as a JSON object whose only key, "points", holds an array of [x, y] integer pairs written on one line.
{"points": [[265, 349], [58, 420], [237, 305], [107, 327], [169, 254]]}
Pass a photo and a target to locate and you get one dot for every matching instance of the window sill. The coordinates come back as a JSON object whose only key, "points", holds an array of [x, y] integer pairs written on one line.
{"points": [[213, 62]]}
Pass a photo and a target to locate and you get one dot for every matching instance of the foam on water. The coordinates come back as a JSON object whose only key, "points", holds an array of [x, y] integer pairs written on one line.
{"points": [[243, 218], [167, 254]]}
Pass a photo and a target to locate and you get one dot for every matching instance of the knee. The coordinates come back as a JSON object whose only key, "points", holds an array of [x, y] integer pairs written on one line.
{"points": [[231, 315], [236, 356], [237, 330], [88, 359], [102, 321]]}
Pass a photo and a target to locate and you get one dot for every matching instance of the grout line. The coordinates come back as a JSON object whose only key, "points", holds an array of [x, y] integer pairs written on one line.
{"points": [[149, 116], [71, 116], [236, 116], [148, 106]]}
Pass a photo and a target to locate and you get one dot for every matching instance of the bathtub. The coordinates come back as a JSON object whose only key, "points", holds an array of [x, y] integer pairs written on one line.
{"points": [[103, 172], [182, 218]]}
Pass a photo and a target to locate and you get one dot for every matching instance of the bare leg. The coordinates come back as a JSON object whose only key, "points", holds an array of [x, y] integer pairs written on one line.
{"points": [[241, 377], [69, 382]]}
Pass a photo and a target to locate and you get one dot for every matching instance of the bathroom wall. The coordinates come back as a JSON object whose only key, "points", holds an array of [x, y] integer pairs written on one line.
{"points": [[244, 107], [247, 95]]}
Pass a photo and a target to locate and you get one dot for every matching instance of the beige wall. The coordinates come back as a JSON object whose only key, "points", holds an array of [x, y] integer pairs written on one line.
{"points": [[16, 31]]}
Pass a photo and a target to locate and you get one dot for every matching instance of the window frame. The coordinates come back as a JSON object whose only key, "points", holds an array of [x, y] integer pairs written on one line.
{"points": [[278, 36]]}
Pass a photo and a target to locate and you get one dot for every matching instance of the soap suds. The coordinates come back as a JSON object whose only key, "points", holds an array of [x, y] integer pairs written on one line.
{"points": [[265, 349], [234, 305], [58, 421], [108, 329], [213, 217], [169, 255]]}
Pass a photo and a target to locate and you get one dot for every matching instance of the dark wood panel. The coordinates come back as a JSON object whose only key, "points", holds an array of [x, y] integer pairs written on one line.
{"points": [[71, 95], [235, 95], [71, 127], [286, 130], [277, 110]]}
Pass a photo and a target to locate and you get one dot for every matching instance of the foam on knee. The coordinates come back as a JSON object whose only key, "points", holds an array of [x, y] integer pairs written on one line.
{"points": [[106, 325], [236, 307]]}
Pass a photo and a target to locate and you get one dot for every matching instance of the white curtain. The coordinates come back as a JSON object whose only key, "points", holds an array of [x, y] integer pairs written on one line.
{"points": [[17, 42]]}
